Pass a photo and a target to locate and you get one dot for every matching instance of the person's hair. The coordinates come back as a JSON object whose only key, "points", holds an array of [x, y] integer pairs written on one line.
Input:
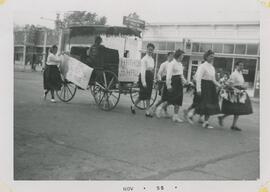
{"points": [[150, 45], [238, 63], [207, 53], [98, 40], [52, 48], [170, 53], [178, 53]]}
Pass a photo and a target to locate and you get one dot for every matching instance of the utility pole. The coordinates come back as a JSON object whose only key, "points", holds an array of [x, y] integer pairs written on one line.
{"points": [[24, 48], [44, 47]]}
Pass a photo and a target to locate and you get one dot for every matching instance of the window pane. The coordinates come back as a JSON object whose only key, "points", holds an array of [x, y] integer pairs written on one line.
{"points": [[228, 48], [144, 44], [161, 45], [179, 45], [205, 47], [217, 48], [195, 47], [240, 49], [252, 49], [170, 46]]}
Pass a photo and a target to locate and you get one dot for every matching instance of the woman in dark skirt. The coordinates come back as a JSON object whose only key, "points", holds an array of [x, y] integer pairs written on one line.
{"points": [[206, 88], [175, 81], [236, 108], [51, 77], [146, 80]]}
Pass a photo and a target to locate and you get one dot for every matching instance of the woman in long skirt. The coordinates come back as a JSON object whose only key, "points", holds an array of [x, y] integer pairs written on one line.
{"points": [[175, 81], [236, 108], [51, 76], [146, 80], [206, 88]]}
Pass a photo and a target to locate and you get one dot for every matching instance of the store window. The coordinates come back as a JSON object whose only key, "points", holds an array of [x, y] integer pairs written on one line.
{"points": [[228, 48], [161, 45], [217, 47], [240, 49], [205, 47], [179, 45], [252, 49], [170, 46], [223, 65], [195, 47]]}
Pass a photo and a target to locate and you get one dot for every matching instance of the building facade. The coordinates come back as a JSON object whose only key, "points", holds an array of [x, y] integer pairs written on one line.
{"points": [[231, 42]]}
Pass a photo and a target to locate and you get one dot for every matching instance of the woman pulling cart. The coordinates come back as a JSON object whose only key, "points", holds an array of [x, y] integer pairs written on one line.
{"points": [[51, 77]]}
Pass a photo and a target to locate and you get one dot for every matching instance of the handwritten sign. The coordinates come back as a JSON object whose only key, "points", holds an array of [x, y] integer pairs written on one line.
{"points": [[75, 71], [129, 70]]}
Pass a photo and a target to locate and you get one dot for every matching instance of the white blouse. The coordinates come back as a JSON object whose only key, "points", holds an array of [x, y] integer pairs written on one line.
{"points": [[147, 63], [162, 70], [206, 71], [174, 68], [237, 78], [53, 59]]}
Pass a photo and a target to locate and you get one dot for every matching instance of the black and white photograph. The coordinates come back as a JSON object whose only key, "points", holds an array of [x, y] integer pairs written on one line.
{"points": [[136, 91], [146, 98]]}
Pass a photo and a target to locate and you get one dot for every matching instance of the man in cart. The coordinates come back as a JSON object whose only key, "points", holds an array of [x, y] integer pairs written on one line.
{"points": [[94, 53]]}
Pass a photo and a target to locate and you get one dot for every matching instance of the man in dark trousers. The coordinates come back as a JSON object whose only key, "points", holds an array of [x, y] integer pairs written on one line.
{"points": [[94, 53]]}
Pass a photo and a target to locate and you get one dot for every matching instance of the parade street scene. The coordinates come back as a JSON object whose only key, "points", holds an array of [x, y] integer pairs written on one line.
{"points": [[132, 96]]}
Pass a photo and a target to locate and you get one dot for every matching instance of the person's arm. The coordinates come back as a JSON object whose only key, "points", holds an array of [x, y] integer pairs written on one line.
{"points": [[199, 75], [143, 69], [169, 75], [54, 58], [160, 71]]}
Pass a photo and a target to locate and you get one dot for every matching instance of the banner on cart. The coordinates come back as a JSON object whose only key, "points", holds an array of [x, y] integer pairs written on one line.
{"points": [[75, 71], [129, 70]]}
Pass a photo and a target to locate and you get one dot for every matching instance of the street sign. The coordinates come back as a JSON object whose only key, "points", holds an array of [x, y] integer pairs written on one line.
{"points": [[134, 23]]}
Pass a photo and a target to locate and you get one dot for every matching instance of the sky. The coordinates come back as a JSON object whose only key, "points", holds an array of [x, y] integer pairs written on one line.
{"points": [[152, 11]]}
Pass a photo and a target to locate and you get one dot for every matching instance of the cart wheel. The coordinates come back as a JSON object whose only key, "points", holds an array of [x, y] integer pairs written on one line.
{"points": [[106, 90], [67, 91], [134, 94]]}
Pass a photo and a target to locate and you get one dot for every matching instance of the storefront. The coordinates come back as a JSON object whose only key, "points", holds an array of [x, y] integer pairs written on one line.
{"points": [[231, 42]]}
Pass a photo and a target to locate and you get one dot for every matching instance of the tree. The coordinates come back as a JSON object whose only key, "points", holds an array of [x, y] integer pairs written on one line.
{"points": [[134, 15], [85, 18]]}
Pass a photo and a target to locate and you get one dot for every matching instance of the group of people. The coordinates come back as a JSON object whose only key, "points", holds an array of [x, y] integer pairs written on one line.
{"points": [[206, 100]]}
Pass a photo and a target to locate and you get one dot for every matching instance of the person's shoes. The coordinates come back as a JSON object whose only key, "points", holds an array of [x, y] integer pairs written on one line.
{"points": [[206, 125], [190, 119], [132, 110], [175, 118], [53, 101], [235, 128], [220, 121], [147, 114]]}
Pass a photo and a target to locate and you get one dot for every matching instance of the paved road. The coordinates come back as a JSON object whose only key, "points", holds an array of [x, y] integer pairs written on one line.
{"points": [[77, 141]]}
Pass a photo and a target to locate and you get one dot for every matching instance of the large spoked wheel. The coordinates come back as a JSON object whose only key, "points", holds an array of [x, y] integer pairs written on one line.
{"points": [[134, 95], [106, 90], [67, 91]]}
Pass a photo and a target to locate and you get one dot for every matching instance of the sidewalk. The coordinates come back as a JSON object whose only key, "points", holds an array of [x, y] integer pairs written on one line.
{"points": [[27, 68]]}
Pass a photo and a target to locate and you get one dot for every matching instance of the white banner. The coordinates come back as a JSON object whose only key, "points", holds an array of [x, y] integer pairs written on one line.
{"points": [[129, 70], [75, 71]]}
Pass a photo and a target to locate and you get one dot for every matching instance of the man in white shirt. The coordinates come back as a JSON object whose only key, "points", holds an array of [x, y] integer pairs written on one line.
{"points": [[161, 77]]}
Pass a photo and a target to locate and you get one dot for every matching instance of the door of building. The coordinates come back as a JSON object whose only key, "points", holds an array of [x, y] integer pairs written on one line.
{"points": [[194, 63]]}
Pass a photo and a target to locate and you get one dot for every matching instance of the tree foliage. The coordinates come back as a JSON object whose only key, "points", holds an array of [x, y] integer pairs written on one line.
{"points": [[84, 17]]}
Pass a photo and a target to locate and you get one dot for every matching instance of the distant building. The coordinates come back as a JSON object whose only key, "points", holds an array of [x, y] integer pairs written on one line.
{"points": [[231, 42], [30, 45]]}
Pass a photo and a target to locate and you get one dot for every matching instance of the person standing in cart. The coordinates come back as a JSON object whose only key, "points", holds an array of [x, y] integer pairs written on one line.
{"points": [[146, 79], [175, 81], [237, 108], [51, 76], [161, 77], [206, 88]]}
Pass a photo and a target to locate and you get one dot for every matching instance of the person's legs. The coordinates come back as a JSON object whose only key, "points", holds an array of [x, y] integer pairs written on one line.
{"points": [[235, 119], [221, 118], [175, 115], [206, 123], [52, 95], [132, 107]]}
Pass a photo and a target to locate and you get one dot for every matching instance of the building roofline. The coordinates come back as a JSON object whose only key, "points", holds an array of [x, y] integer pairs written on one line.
{"points": [[205, 23]]}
